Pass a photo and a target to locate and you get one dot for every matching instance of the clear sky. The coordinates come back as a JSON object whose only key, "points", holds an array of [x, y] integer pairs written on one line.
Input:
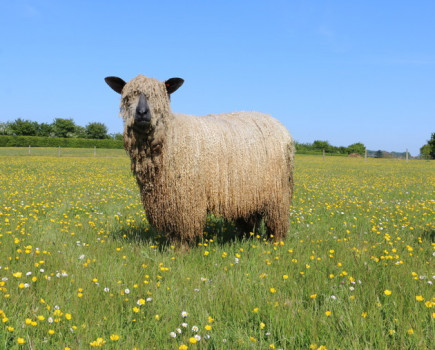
{"points": [[341, 71]]}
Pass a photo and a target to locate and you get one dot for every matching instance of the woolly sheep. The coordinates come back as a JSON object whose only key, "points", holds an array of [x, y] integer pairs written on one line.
{"points": [[238, 166]]}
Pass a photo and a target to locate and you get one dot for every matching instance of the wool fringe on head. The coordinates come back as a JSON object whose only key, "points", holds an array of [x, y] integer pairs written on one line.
{"points": [[237, 165]]}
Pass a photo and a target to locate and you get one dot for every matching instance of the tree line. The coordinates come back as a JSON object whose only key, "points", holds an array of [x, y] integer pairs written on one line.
{"points": [[320, 146], [60, 127], [67, 128]]}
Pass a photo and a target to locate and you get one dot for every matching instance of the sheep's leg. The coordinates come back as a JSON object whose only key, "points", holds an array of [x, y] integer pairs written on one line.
{"points": [[277, 223], [191, 228]]}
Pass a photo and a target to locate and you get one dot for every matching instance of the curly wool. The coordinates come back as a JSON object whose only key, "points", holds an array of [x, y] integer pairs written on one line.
{"points": [[237, 165]]}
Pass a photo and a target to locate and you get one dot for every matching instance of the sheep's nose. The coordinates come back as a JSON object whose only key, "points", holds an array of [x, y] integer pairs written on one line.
{"points": [[142, 110]]}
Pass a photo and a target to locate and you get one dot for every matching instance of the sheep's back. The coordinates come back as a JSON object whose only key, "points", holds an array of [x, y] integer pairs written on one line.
{"points": [[233, 163]]}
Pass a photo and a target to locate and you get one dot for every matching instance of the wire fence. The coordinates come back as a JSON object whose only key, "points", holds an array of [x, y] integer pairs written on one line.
{"points": [[61, 152]]}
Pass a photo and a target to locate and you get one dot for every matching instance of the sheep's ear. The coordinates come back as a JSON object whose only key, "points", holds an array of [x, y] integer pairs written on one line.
{"points": [[115, 83], [173, 84]]}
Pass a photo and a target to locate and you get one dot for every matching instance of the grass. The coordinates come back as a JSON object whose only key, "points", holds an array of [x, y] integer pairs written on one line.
{"points": [[80, 267]]}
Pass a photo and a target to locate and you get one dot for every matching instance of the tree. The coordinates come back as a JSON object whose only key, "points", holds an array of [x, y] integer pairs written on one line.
{"points": [[80, 132], [23, 127], [379, 154], [356, 148], [321, 145], [96, 131], [431, 144], [117, 136], [5, 128], [425, 151], [44, 129], [63, 127], [342, 150]]}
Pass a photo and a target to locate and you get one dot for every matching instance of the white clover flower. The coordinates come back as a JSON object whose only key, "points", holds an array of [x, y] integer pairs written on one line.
{"points": [[333, 297], [173, 335], [178, 330], [196, 290], [107, 290], [4, 279], [50, 320], [351, 289], [81, 257], [41, 270], [28, 273], [127, 291], [149, 299], [197, 337], [207, 336], [184, 325], [184, 314], [64, 274], [26, 285], [195, 329]]}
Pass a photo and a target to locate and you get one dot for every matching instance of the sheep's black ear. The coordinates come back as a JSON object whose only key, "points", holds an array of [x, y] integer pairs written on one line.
{"points": [[115, 83], [173, 84]]}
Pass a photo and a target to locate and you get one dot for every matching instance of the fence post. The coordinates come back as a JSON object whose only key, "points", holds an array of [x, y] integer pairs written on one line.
{"points": [[95, 151], [58, 152], [29, 150], [323, 154], [365, 155], [407, 155]]}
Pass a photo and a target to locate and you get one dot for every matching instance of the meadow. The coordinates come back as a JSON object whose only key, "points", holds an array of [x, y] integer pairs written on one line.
{"points": [[80, 267]]}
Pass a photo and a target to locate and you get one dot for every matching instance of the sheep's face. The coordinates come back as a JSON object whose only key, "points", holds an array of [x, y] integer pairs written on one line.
{"points": [[136, 112], [143, 100]]}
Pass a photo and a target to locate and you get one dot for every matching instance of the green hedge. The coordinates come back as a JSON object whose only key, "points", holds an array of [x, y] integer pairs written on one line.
{"points": [[37, 141], [317, 153]]}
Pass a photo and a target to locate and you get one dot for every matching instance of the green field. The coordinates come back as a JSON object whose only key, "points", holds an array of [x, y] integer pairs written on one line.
{"points": [[80, 268]]}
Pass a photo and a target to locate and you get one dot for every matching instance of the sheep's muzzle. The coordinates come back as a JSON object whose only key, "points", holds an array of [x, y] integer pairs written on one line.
{"points": [[142, 117]]}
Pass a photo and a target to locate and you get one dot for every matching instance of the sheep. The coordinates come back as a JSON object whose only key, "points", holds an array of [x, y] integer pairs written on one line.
{"points": [[238, 166]]}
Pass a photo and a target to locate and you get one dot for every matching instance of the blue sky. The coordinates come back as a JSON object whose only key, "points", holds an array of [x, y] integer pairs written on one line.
{"points": [[341, 71]]}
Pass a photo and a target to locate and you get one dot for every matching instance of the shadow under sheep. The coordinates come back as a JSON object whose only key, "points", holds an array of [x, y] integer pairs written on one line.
{"points": [[220, 230]]}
